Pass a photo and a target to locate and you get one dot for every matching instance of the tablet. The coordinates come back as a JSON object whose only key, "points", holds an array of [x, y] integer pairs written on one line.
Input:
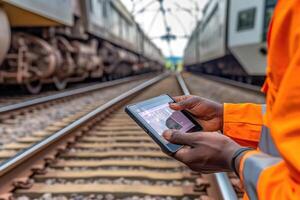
{"points": [[155, 116]]}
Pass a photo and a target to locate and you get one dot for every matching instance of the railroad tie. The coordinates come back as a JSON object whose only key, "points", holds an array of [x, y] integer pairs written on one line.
{"points": [[142, 138], [120, 163], [96, 145], [114, 154], [124, 127], [6, 154], [94, 174], [16, 146], [113, 133], [117, 189]]}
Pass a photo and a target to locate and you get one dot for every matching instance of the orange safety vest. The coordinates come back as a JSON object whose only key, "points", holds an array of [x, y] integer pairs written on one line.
{"points": [[273, 170]]}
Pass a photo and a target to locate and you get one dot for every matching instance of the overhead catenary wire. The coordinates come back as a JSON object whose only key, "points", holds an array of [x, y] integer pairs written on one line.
{"points": [[166, 9], [153, 20], [180, 23], [144, 8], [167, 27]]}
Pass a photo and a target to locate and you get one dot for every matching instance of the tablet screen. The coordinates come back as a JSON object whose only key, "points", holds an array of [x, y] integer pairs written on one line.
{"points": [[157, 113], [161, 118]]}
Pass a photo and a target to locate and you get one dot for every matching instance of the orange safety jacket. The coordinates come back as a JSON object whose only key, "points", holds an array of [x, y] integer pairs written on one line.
{"points": [[273, 170]]}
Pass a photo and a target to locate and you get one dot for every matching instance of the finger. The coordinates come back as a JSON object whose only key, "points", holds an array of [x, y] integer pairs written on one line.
{"points": [[181, 98], [187, 104], [183, 154], [177, 137], [177, 106], [167, 134]]}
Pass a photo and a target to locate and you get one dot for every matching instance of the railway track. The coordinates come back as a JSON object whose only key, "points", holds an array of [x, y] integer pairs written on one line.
{"points": [[10, 104], [223, 90], [235, 84], [105, 155], [28, 118]]}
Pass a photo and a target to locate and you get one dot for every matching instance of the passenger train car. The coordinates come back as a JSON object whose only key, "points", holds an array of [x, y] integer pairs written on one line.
{"points": [[230, 40], [61, 41]]}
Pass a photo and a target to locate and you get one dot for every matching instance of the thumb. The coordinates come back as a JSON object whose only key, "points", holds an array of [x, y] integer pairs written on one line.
{"points": [[186, 104], [176, 106], [177, 137]]}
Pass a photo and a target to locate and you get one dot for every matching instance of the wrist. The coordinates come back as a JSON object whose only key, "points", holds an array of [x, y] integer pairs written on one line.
{"points": [[237, 162], [221, 116], [237, 157], [231, 148]]}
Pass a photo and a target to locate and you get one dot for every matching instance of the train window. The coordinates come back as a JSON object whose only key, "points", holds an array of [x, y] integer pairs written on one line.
{"points": [[127, 28], [271, 2], [208, 19], [269, 10], [246, 19], [99, 6], [121, 30], [91, 6], [104, 8], [115, 21], [95, 7], [133, 36]]}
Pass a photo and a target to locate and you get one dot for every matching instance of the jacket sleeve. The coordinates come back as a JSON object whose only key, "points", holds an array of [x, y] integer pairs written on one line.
{"points": [[243, 122]]}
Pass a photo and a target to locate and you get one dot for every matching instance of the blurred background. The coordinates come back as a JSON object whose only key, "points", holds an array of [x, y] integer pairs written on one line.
{"points": [[170, 19], [65, 41]]}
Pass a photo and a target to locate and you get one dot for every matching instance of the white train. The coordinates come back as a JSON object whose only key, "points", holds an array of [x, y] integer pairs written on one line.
{"points": [[230, 40]]}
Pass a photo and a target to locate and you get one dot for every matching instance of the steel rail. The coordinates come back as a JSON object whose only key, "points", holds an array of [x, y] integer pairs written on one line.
{"points": [[22, 157], [40, 100], [224, 185], [245, 86]]}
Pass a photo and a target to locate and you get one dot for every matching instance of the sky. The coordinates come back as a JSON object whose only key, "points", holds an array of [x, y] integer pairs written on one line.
{"points": [[181, 16]]}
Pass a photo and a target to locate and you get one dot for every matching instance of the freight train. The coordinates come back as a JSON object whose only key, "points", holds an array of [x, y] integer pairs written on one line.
{"points": [[230, 40], [61, 41]]}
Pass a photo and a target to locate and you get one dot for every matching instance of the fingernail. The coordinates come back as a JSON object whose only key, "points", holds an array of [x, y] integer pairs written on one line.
{"points": [[173, 104], [167, 134]]}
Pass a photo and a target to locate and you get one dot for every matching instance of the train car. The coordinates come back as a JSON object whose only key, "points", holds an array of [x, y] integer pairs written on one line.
{"points": [[231, 40], [61, 41], [212, 31], [124, 33], [111, 21], [191, 52]]}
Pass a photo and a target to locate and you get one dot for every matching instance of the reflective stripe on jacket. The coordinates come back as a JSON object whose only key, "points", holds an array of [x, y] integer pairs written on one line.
{"points": [[273, 171]]}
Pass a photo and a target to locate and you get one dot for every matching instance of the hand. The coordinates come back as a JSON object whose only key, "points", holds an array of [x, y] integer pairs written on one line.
{"points": [[204, 152], [209, 114]]}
